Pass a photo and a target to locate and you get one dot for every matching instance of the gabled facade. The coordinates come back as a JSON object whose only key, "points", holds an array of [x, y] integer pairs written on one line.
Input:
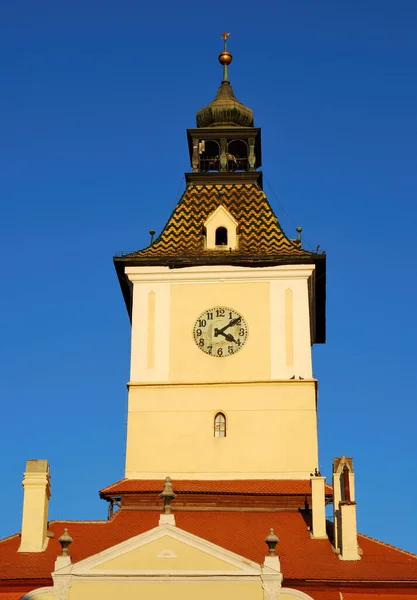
{"points": [[222, 495]]}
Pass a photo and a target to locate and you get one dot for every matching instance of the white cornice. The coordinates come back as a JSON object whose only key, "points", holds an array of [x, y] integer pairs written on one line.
{"points": [[217, 274]]}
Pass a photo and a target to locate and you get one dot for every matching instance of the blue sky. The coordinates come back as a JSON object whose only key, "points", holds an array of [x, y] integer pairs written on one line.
{"points": [[95, 100]]}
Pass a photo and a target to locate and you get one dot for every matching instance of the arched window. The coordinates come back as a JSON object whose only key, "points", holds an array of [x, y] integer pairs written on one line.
{"points": [[209, 152], [219, 425], [237, 155], [221, 236]]}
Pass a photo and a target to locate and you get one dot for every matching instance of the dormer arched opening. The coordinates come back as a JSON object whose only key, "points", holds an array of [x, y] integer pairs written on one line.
{"points": [[209, 152], [237, 155], [221, 236]]}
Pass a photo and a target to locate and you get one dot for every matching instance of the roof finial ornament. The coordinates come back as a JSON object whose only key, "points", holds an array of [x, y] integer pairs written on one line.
{"points": [[271, 541], [65, 540], [167, 495], [225, 58]]}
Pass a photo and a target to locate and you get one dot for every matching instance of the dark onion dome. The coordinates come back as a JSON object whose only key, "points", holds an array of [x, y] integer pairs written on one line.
{"points": [[225, 110]]}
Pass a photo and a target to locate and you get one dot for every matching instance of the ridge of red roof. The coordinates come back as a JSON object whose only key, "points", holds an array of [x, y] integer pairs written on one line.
{"points": [[241, 532], [226, 486]]}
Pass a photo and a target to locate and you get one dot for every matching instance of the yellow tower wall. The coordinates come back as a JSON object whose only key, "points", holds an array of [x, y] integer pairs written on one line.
{"points": [[266, 389], [271, 431]]}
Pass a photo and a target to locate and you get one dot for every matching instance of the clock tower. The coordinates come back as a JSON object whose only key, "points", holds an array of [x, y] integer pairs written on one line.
{"points": [[224, 310]]}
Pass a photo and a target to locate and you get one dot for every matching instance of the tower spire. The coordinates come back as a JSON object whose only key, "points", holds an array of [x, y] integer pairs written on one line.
{"points": [[225, 58]]}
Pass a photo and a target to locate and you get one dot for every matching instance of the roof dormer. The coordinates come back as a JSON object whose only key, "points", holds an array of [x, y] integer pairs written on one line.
{"points": [[221, 230]]}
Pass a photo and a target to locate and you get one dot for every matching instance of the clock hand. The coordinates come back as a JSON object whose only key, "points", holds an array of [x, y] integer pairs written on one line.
{"points": [[229, 337], [232, 322]]}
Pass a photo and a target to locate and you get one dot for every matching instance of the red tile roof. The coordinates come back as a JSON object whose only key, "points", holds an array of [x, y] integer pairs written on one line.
{"points": [[234, 486], [320, 595], [371, 596], [242, 532]]}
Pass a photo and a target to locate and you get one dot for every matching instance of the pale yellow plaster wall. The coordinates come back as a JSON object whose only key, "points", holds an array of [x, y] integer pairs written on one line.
{"points": [[161, 590], [188, 363], [271, 431], [181, 295], [149, 557]]}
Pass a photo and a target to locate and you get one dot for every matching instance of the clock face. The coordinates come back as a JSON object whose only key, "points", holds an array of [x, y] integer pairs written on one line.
{"points": [[220, 331]]}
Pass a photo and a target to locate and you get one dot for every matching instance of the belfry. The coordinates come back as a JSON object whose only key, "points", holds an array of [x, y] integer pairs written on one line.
{"points": [[222, 493]]}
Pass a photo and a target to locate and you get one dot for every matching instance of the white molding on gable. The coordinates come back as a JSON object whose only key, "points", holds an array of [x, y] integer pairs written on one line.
{"points": [[220, 210], [84, 567], [38, 592], [162, 576]]}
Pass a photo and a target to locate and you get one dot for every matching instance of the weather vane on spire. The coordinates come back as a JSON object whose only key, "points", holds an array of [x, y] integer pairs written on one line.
{"points": [[225, 58]]}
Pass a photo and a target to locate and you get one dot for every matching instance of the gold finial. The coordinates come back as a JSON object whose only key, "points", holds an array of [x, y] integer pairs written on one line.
{"points": [[225, 58]]}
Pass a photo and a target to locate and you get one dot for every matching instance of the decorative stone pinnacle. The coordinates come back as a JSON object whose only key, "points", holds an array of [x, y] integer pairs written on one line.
{"points": [[167, 495], [271, 541], [65, 540], [298, 230]]}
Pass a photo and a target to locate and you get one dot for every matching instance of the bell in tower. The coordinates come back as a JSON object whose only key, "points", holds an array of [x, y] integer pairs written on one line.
{"points": [[225, 139]]}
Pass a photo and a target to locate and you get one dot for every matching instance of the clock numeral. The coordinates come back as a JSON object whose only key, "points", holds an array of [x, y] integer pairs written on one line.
{"points": [[241, 331], [201, 342], [209, 348], [198, 332], [230, 315], [220, 312], [230, 349], [209, 316], [202, 323], [219, 352]]}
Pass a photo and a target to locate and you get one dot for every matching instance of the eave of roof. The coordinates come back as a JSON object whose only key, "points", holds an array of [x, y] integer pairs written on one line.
{"points": [[247, 487]]}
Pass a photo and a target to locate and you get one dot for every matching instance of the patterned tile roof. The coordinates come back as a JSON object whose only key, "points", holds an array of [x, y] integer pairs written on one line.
{"points": [[302, 558], [260, 234], [238, 486]]}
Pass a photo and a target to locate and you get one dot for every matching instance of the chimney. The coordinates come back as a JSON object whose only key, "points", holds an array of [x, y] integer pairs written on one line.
{"points": [[344, 509], [318, 506], [36, 495]]}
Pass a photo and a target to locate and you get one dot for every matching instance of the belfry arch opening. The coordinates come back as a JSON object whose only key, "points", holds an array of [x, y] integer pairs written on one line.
{"points": [[237, 155], [221, 236], [209, 152]]}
